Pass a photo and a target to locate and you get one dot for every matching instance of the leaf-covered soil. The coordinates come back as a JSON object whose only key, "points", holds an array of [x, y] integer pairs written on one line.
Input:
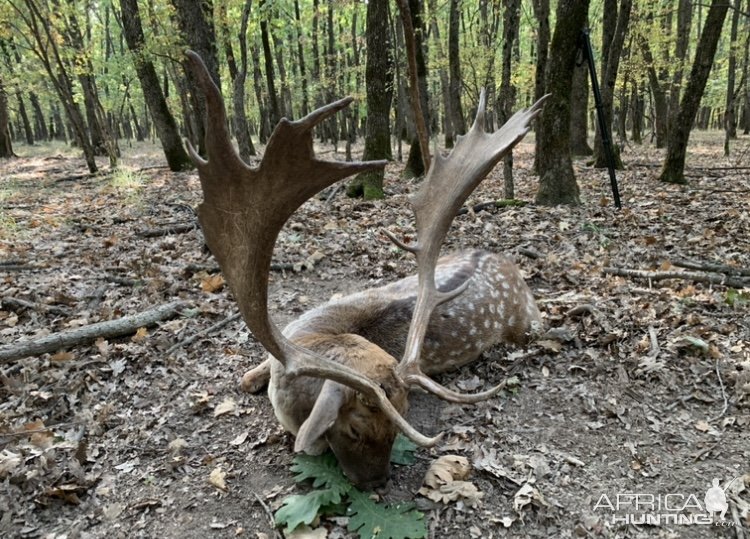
{"points": [[643, 387]]}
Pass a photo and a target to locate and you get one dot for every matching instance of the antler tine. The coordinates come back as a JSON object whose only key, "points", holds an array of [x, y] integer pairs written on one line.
{"points": [[448, 184], [244, 209]]}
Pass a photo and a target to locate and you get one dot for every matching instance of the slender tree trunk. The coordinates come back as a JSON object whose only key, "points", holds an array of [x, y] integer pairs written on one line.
{"points": [[557, 184], [273, 99], [636, 114], [541, 12], [682, 41], [300, 53], [579, 111], [507, 101], [6, 144], [458, 122], [730, 117], [196, 22], [418, 162], [164, 122], [379, 83], [674, 163], [609, 78], [40, 126], [661, 107]]}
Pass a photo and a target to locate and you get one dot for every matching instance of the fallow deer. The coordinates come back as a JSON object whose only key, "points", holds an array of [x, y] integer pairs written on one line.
{"points": [[334, 377]]}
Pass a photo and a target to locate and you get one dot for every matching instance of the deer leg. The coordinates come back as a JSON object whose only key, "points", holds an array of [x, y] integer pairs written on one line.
{"points": [[256, 379]]}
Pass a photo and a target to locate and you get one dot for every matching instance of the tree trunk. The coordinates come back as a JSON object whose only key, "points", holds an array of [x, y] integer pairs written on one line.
{"points": [[6, 145], [541, 12], [37, 21], [164, 123], [418, 161], [196, 22], [557, 184], [457, 121], [684, 20], [301, 55], [661, 107], [636, 115], [379, 83], [730, 118], [579, 111], [40, 126], [674, 163], [507, 101], [609, 78]]}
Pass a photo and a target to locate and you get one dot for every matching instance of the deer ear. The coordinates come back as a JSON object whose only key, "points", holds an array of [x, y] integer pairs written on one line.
{"points": [[321, 418]]}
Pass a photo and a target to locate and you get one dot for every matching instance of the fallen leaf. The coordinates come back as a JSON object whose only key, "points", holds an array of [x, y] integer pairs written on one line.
{"points": [[212, 283], [227, 406], [62, 356], [306, 532], [217, 478], [140, 335]]}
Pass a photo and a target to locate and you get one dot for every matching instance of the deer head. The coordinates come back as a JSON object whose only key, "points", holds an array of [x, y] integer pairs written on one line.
{"points": [[359, 406]]}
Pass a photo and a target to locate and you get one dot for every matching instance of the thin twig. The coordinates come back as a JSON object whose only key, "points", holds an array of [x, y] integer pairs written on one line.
{"points": [[723, 394], [690, 276], [208, 330], [268, 511]]}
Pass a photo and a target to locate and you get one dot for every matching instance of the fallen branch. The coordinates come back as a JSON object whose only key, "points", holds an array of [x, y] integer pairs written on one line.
{"points": [[709, 266], [686, 275], [167, 231], [86, 334], [18, 303], [217, 326]]}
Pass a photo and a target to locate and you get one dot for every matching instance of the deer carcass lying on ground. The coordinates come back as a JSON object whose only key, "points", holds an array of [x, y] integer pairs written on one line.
{"points": [[334, 377]]}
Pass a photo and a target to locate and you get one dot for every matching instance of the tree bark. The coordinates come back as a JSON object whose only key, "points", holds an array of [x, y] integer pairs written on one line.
{"points": [[458, 122], [418, 161], [674, 163], [579, 111], [379, 83], [730, 118], [541, 12], [300, 53], [507, 101], [557, 184], [684, 21], [661, 107], [6, 145], [196, 22], [609, 78], [164, 123]]}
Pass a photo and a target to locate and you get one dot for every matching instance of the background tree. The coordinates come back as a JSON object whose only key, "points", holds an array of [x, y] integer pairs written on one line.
{"points": [[379, 82], [6, 145], [557, 181], [196, 21], [674, 162], [507, 101], [164, 123], [612, 50]]}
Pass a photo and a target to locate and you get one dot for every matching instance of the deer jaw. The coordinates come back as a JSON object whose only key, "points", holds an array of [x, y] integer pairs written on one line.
{"points": [[327, 414]]}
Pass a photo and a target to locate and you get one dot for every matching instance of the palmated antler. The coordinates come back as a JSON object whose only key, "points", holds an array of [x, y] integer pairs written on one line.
{"points": [[446, 187], [244, 209]]}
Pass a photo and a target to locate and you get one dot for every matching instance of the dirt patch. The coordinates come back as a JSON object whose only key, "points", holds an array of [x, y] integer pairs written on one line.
{"points": [[646, 392]]}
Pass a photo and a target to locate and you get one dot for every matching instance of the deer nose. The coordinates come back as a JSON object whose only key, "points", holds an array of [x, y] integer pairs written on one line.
{"points": [[380, 486]]}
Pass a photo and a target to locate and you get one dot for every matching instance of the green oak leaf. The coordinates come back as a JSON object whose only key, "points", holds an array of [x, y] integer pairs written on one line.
{"points": [[323, 470], [372, 520], [403, 451], [305, 508]]}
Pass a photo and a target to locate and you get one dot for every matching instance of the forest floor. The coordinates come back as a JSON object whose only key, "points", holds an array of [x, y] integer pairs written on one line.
{"points": [[647, 391]]}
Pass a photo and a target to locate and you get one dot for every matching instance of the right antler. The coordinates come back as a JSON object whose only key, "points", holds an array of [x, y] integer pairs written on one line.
{"points": [[243, 211], [446, 187]]}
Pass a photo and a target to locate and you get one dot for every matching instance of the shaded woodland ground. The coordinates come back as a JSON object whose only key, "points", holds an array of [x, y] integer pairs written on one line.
{"points": [[643, 387]]}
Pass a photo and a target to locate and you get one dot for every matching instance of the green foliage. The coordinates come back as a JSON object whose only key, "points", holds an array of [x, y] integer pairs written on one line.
{"points": [[374, 520], [335, 495], [735, 298], [323, 470], [305, 508], [403, 451]]}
